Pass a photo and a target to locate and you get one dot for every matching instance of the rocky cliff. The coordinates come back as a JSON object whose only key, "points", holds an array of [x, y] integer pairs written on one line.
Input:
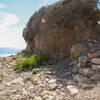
{"points": [[54, 29]]}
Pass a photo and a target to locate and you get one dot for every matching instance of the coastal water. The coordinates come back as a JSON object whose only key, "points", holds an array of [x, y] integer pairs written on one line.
{"points": [[4, 52]]}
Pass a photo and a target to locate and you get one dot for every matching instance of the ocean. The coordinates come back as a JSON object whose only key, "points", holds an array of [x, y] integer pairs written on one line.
{"points": [[4, 52]]}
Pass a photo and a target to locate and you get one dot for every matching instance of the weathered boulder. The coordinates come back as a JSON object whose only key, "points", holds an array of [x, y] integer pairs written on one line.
{"points": [[95, 60], [50, 33]]}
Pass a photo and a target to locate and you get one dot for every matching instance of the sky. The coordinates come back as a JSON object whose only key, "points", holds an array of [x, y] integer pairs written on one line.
{"points": [[14, 14]]}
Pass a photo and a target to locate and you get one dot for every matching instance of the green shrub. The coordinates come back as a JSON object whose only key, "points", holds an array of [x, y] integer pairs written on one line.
{"points": [[27, 53], [30, 63], [22, 65]]}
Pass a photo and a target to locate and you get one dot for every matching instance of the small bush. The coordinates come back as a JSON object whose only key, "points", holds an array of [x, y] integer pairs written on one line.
{"points": [[30, 63], [27, 53]]}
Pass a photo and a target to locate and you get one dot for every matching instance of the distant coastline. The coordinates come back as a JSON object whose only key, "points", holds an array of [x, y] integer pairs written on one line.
{"points": [[5, 52], [6, 55]]}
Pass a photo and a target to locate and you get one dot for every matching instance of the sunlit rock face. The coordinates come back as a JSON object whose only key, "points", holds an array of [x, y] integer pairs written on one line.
{"points": [[55, 29]]}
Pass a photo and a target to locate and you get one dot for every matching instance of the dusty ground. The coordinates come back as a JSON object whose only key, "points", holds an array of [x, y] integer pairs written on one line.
{"points": [[45, 83]]}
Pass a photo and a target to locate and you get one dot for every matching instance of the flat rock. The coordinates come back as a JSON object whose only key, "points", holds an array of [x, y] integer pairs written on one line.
{"points": [[94, 55], [72, 90], [95, 61], [96, 67]]}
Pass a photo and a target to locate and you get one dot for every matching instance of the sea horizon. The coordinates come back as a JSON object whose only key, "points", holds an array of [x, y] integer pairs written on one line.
{"points": [[8, 51]]}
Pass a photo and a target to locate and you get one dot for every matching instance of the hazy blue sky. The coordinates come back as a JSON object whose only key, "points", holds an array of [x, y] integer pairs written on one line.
{"points": [[14, 14]]}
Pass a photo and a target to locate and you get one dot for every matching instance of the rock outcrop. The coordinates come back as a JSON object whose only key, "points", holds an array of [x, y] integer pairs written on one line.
{"points": [[86, 69], [53, 30]]}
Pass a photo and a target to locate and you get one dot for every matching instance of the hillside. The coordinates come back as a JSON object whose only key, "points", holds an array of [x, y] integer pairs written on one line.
{"points": [[54, 29]]}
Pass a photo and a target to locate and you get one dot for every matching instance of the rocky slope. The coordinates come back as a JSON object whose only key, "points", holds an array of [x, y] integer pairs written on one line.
{"points": [[61, 80]]}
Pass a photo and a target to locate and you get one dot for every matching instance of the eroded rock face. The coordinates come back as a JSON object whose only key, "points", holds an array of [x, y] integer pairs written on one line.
{"points": [[58, 33]]}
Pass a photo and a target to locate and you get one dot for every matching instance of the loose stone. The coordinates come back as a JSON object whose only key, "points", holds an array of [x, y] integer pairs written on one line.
{"points": [[72, 90]]}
